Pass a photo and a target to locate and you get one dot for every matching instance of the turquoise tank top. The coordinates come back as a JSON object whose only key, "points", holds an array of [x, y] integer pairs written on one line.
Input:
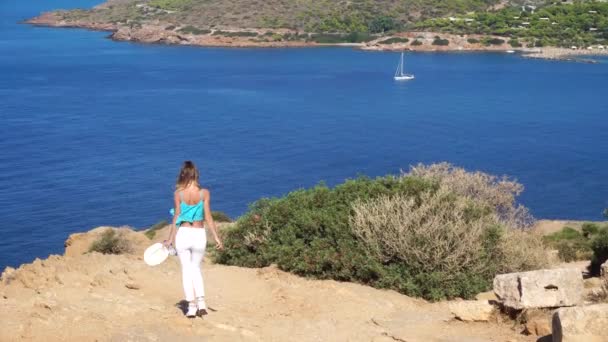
{"points": [[189, 212]]}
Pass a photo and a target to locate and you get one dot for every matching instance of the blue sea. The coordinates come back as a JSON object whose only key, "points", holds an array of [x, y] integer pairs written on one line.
{"points": [[93, 132]]}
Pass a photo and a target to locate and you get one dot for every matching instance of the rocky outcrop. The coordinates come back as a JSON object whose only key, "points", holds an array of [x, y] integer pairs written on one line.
{"points": [[90, 296], [55, 20], [581, 324], [540, 289]]}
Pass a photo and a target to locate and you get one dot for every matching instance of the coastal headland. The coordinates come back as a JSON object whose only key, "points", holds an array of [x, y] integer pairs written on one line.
{"points": [[158, 23]]}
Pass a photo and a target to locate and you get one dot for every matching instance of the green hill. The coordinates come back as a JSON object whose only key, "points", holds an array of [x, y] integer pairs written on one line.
{"points": [[326, 21], [302, 15]]}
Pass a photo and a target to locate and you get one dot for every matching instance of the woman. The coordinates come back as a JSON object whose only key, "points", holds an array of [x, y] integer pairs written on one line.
{"points": [[188, 234]]}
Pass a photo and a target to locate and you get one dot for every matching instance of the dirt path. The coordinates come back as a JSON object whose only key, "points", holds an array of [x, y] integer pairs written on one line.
{"points": [[117, 298]]}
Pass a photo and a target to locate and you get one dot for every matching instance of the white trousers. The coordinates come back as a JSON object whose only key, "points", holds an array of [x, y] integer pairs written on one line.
{"points": [[190, 244]]}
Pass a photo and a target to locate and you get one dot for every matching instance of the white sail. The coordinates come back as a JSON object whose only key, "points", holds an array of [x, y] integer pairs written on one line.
{"points": [[399, 75]]}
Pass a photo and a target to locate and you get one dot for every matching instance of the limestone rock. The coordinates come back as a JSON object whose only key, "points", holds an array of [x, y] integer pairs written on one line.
{"points": [[489, 296], [604, 275], [132, 286], [593, 282], [581, 323], [472, 310], [540, 289], [538, 323]]}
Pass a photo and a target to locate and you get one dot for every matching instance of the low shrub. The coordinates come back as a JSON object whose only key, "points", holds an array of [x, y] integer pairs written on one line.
{"points": [[111, 242], [571, 244], [170, 28], [411, 233], [499, 193], [514, 43], [394, 40], [599, 245], [151, 232], [590, 229], [472, 41], [566, 251], [416, 43], [441, 42], [566, 233], [521, 250], [336, 38], [220, 216], [492, 41], [568, 241]]}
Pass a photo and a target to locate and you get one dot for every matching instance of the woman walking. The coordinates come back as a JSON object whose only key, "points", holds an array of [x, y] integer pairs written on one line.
{"points": [[192, 207]]}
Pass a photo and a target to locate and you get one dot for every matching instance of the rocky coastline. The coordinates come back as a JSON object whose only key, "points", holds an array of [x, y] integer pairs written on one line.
{"points": [[165, 33]]}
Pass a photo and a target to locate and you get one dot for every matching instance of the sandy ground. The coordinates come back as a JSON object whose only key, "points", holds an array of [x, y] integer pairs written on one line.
{"points": [[95, 297]]}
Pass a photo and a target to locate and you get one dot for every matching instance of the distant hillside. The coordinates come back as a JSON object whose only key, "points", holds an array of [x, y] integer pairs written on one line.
{"points": [[565, 24], [483, 24], [301, 15]]}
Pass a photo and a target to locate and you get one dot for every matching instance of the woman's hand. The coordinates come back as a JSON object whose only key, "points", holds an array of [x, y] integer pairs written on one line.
{"points": [[218, 243]]}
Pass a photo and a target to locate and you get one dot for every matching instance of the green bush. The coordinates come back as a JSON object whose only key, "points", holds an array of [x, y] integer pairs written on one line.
{"points": [[394, 40], [111, 242], [599, 245], [590, 229], [514, 43], [416, 43], [220, 216], [472, 41], [151, 232], [566, 233], [492, 41], [566, 251], [441, 42], [571, 244], [311, 232]]}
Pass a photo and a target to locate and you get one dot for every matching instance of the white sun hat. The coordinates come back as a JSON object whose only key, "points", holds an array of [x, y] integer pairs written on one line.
{"points": [[156, 254]]}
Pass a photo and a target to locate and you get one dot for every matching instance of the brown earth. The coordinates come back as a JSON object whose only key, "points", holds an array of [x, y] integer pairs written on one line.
{"points": [[90, 296]]}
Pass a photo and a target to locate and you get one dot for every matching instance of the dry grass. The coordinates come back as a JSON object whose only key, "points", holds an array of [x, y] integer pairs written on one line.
{"points": [[522, 251], [499, 193], [438, 234], [471, 223]]}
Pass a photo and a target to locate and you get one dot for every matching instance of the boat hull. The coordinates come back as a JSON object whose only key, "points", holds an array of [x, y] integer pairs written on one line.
{"points": [[404, 78]]}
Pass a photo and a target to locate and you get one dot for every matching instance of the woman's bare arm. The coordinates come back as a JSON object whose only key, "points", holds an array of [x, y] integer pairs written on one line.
{"points": [[173, 231], [209, 219]]}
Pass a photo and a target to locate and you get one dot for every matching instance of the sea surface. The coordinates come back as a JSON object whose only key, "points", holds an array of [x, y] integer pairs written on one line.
{"points": [[93, 132]]}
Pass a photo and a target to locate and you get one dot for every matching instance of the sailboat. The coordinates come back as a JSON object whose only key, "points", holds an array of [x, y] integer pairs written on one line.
{"points": [[399, 75]]}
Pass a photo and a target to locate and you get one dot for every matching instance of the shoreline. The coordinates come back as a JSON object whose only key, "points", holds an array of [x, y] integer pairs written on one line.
{"points": [[159, 34]]}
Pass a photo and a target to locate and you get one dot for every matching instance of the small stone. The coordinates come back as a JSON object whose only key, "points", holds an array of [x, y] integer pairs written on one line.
{"points": [[471, 310], [132, 286], [487, 296]]}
